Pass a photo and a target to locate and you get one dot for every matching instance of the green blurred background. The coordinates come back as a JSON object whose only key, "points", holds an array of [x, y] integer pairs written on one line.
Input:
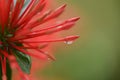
{"points": [[95, 55]]}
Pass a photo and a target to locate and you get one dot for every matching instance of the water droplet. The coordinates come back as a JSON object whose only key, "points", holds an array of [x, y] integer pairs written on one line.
{"points": [[46, 53], [49, 59], [68, 42], [59, 27]]}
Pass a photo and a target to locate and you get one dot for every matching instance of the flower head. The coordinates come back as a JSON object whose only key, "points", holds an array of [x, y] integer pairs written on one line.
{"points": [[19, 31]]}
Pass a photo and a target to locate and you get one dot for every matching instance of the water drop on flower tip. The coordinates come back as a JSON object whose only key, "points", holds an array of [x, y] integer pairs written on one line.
{"points": [[48, 59], [68, 42], [59, 27]]}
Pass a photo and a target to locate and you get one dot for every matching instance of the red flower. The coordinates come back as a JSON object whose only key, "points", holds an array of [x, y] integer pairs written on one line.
{"points": [[19, 29]]}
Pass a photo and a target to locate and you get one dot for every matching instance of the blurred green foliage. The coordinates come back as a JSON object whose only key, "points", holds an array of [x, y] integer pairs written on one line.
{"points": [[96, 54]]}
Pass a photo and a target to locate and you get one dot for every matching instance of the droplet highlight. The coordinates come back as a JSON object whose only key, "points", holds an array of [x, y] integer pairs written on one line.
{"points": [[68, 42]]}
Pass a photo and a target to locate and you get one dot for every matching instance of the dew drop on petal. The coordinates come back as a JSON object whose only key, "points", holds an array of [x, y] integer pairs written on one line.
{"points": [[68, 42], [59, 27], [47, 56], [49, 59]]}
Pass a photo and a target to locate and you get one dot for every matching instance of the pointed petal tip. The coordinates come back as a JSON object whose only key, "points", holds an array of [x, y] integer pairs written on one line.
{"points": [[74, 19], [67, 26], [75, 37], [77, 18], [72, 38], [52, 57], [63, 6]]}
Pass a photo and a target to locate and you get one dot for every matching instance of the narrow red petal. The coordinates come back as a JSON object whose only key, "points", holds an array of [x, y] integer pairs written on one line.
{"points": [[39, 7], [45, 31], [67, 39], [56, 13], [17, 10]]}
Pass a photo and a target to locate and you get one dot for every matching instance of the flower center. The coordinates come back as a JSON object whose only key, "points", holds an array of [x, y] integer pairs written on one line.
{"points": [[4, 40]]}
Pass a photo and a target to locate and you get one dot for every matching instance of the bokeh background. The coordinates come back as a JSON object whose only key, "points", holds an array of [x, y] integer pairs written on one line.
{"points": [[96, 54]]}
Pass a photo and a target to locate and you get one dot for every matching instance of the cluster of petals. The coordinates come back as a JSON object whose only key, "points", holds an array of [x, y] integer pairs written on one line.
{"points": [[18, 26]]}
